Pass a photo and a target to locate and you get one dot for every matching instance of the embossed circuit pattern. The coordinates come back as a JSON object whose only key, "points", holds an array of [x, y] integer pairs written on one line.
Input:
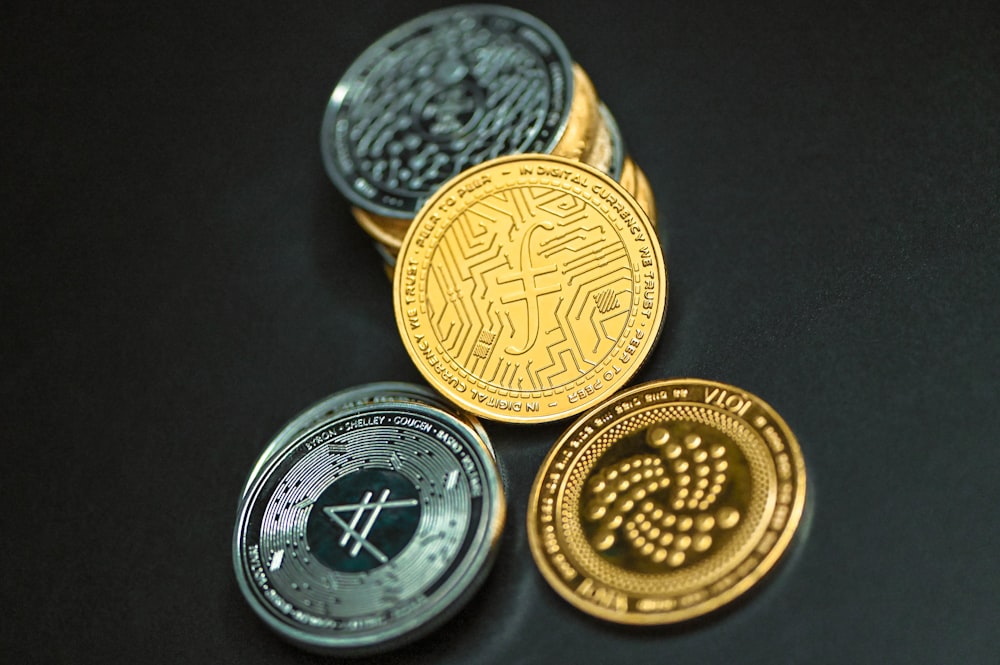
{"points": [[530, 286]]}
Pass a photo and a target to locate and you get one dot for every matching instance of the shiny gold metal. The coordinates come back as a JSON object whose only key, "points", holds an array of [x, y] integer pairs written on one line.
{"points": [[627, 179], [584, 118], [599, 150], [666, 501], [643, 193], [529, 288], [387, 231]]}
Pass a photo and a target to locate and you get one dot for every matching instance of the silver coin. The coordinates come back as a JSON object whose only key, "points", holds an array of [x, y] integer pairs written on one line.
{"points": [[617, 144], [441, 93], [382, 392], [373, 527]]}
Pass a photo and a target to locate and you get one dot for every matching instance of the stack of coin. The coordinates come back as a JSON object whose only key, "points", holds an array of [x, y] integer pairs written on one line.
{"points": [[368, 520], [449, 90]]}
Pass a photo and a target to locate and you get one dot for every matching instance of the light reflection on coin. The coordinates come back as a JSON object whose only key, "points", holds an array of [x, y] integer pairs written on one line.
{"points": [[440, 93], [666, 502], [381, 392], [370, 527], [529, 288]]}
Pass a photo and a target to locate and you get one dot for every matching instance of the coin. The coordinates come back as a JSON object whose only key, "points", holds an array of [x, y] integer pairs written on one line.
{"points": [[666, 502], [370, 527], [644, 193], [442, 92], [529, 288], [618, 151], [387, 231], [627, 179], [584, 119], [606, 152]]}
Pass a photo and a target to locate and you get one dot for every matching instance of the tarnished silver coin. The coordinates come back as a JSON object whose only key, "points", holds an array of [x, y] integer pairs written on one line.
{"points": [[369, 528], [441, 93]]}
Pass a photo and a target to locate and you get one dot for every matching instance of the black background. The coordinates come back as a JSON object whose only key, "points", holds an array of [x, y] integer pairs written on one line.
{"points": [[179, 277]]}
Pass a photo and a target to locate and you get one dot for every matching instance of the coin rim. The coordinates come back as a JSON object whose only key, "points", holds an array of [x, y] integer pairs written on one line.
{"points": [[711, 604], [634, 365]]}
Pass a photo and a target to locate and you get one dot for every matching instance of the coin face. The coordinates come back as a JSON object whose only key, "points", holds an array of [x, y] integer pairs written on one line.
{"points": [[529, 288], [446, 90], [666, 502], [372, 527]]}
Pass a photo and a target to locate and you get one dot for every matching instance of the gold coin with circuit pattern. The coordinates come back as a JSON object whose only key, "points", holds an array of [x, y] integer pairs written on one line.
{"points": [[666, 502], [530, 288]]}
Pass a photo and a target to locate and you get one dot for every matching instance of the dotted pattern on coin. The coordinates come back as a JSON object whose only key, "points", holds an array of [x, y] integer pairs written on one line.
{"points": [[438, 94], [529, 288], [666, 502], [370, 530]]}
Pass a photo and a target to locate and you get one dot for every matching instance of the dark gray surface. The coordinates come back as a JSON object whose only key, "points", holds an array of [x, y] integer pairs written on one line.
{"points": [[179, 278]]}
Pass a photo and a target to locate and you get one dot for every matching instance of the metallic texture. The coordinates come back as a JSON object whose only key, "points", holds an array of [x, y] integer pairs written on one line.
{"points": [[369, 520], [618, 151], [387, 231], [666, 502], [438, 94], [530, 288], [584, 119], [365, 394], [606, 150]]}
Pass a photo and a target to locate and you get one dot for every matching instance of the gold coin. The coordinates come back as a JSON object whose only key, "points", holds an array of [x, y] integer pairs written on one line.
{"points": [[584, 118], [633, 179], [599, 151], [387, 231], [643, 193], [666, 501], [627, 179], [529, 288]]}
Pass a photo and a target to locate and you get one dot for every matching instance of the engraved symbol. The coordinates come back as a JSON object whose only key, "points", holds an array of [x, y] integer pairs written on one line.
{"points": [[530, 291], [482, 348], [623, 499], [606, 301], [359, 509], [451, 110]]}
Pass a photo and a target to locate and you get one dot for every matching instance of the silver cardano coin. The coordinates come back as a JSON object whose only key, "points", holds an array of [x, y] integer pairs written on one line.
{"points": [[441, 93], [368, 393], [371, 527]]}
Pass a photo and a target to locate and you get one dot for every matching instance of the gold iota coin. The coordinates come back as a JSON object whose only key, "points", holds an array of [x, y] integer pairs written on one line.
{"points": [[666, 502], [529, 288]]}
